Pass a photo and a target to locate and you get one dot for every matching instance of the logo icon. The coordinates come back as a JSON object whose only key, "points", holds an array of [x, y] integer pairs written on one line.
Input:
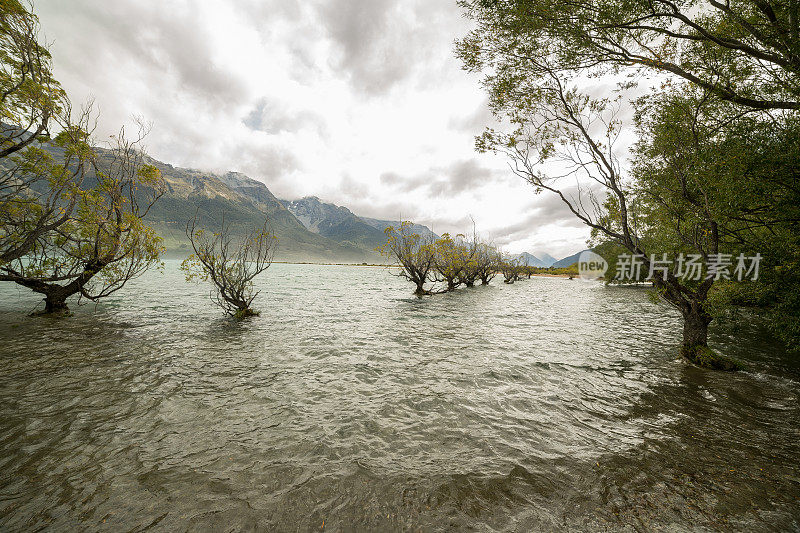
{"points": [[591, 266]]}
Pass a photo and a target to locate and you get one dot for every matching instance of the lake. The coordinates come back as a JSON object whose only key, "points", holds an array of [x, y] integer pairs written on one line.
{"points": [[349, 404]]}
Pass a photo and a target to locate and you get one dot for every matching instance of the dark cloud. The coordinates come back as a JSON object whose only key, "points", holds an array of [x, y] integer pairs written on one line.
{"points": [[451, 180], [274, 117], [163, 47], [381, 43]]}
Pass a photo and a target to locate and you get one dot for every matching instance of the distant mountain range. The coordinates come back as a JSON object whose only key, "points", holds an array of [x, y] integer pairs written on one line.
{"points": [[307, 229], [537, 260], [567, 261], [544, 260], [340, 224]]}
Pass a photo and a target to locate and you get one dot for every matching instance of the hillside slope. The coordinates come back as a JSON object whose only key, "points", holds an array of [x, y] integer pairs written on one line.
{"points": [[343, 226], [335, 222], [244, 203], [568, 261], [424, 231]]}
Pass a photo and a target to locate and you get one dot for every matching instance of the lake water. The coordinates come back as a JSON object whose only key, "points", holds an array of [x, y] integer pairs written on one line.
{"points": [[350, 405]]}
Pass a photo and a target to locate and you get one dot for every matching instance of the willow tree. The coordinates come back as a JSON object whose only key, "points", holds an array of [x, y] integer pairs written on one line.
{"points": [[230, 262], [102, 243], [469, 257], [450, 260], [70, 214], [565, 129], [543, 61], [737, 176], [487, 261], [413, 254], [38, 188], [30, 97], [511, 270], [745, 52]]}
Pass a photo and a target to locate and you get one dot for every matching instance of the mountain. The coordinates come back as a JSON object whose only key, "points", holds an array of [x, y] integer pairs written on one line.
{"points": [[546, 259], [335, 222], [244, 203], [567, 261], [424, 231], [530, 260], [341, 225], [318, 232]]}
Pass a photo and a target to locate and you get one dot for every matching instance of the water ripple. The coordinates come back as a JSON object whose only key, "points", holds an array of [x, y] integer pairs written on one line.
{"points": [[545, 405]]}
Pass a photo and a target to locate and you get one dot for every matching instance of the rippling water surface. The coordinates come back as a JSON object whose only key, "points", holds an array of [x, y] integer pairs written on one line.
{"points": [[349, 405]]}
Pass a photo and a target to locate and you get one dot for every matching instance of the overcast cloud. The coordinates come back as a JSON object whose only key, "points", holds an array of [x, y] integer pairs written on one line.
{"points": [[359, 102]]}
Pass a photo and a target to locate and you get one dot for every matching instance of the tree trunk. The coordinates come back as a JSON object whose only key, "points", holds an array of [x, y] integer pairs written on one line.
{"points": [[695, 328], [55, 304], [695, 341]]}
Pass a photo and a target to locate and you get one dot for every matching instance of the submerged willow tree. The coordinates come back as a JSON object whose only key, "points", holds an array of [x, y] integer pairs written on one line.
{"points": [[449, 261], [70, 213], [230, 262], [487, 261], [732, 61], [98, 240], [414, 255], [31, 99], [37, 192], [446, 262]]}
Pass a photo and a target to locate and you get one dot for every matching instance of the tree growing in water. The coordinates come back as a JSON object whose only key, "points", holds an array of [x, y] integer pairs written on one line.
{"points": [[736, 60], [511, 270], [100, 241], [30, 97], [414, 255], [562, 125], [450, 261], [70, 214], [446, 262], [38, 189], [487, 262], [469, 256], [230, 263]]}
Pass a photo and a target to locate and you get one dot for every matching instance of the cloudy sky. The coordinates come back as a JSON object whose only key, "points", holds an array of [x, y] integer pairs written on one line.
{"points": [[359, 102]]}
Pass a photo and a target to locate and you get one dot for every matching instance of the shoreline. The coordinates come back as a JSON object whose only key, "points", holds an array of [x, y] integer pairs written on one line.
{"points": [[541, 275]]}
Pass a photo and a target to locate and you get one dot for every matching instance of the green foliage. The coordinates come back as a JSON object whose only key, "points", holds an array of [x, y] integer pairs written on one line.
{"points": [[716, 166], [744, 52], [414, 255], [743, 171], [61, 234], [453, 261], [31, 97]]}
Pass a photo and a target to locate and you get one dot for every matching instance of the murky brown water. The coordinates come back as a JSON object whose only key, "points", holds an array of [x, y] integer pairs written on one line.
{"points": [[348, 405]]}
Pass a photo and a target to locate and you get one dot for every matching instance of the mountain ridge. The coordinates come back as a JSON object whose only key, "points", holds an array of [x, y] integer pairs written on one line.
{"points": [[339, 223], [307, 228]]}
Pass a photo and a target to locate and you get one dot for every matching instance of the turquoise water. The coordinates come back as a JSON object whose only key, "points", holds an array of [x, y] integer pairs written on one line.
{"points": [[349, 404]]}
